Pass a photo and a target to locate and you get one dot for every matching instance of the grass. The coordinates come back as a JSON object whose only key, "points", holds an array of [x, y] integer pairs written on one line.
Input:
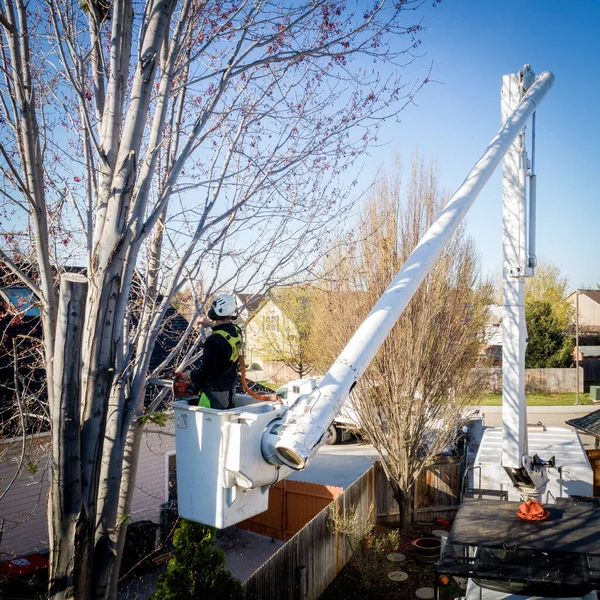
{"points": [[271, 386], [496, 399], [540, 399]]}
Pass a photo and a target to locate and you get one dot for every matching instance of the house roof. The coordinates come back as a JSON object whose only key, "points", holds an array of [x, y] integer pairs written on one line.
{"points": [[250, 301], [593, 295], [589, 423], [589, 351], [174, 327], [26, 326]]}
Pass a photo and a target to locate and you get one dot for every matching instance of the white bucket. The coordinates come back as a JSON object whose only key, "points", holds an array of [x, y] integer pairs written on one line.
{"points": [[221, 473]]}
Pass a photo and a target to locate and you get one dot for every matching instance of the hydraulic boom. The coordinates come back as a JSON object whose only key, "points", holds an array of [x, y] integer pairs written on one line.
{"points": [[226, 460]]}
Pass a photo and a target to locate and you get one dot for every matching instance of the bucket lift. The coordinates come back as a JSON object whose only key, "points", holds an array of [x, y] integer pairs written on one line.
{"points": [[226, 460], [500, 554]]}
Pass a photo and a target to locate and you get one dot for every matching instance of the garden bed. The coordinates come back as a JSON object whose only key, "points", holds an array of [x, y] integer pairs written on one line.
{"points": [[350, 584]]}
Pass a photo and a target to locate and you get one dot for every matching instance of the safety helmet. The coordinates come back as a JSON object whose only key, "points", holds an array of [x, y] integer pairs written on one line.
{"points": [[223, 307]]}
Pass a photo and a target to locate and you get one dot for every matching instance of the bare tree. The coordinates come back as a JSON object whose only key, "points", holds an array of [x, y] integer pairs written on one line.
{"points": [[287, 343], [156, 142], [412, 395]]}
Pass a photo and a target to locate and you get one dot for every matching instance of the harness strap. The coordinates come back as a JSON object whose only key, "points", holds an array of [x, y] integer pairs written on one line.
{"points": [[234, 341]]}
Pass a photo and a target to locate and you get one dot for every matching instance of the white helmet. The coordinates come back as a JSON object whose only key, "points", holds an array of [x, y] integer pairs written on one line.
{"points": [[223, 307]]}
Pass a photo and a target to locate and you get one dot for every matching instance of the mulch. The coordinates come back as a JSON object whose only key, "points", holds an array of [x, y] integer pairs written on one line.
{"points": [[349, 584]]}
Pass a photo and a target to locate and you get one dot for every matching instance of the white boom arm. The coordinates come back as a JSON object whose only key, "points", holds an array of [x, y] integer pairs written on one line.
{"points": [[301, 429], [518, 263], [227, 460]]}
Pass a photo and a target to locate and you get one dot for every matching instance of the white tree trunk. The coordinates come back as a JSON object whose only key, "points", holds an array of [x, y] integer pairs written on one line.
{"points": [[65, 515]]}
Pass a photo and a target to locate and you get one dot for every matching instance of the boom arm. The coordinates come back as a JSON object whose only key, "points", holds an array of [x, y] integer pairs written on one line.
{"points": [[227, 460], [301, 429]]}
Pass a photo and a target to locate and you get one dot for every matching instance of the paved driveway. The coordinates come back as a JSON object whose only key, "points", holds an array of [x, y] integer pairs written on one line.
{"points": [[338, 465], [554, 416]]}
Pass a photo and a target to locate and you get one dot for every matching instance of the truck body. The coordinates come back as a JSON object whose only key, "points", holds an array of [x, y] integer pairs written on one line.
{"points": [[346, 421], [526, 527]]}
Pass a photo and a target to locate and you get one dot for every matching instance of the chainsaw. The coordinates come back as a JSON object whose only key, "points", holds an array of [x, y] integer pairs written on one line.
{"points": [[179, 384]]}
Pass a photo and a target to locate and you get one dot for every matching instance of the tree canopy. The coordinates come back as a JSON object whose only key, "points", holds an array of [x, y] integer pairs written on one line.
{"points": [[197, 568], [548, 345], [549, 318], [158, 143], [411, 396]]}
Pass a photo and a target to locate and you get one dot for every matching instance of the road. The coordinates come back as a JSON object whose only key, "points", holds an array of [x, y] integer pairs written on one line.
{"points": [[551, 416], [343, 463]]}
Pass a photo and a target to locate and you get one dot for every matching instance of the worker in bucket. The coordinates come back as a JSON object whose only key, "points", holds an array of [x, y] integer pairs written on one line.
{"points": [[215, 380]]}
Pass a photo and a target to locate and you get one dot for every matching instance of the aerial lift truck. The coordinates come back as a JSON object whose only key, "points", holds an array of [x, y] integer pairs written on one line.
{"points": [[528, 527], [227, 460]]}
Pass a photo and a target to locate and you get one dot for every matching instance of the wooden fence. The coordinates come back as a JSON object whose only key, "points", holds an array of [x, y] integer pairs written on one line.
{"points": [[436, 494], [292, 504], [594, 458], [304, 567], [536, 380]]}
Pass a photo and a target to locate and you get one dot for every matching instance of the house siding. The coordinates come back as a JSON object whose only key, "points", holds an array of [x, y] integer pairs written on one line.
{"points": [[589, 308], [257, 343], [149, 492], [589, 312], [23, 508]]}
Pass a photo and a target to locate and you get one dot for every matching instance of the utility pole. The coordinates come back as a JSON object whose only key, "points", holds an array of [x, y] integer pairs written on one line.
{"points": [[577, 345]]}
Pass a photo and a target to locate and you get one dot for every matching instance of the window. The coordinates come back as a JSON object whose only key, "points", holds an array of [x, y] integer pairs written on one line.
{"points": [[271, 322], [171, 477]]}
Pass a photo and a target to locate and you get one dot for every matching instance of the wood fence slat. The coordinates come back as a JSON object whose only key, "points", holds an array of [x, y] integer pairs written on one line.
{"points": [[315, 550], [594, 458], [303, 567]]}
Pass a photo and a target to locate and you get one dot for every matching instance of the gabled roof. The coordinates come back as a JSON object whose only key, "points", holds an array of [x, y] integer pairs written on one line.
{"points": [[26, 325], [593, 295], [589, 423], [250, 301]]}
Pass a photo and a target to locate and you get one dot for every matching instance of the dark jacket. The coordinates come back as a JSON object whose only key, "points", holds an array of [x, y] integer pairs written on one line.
{"points": [[217, 372]]}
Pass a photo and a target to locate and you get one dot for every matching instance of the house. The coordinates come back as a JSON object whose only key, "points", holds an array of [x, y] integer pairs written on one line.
{"points": [[589, 359], [23, 523], [20, 332], [590, 425], [589, 309], [491, 342], [270, 335], [25, 476], [248, 305]]}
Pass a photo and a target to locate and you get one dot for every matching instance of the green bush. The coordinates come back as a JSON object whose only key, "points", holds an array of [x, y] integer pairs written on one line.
{"points": [[548, 346], [196, 569]]}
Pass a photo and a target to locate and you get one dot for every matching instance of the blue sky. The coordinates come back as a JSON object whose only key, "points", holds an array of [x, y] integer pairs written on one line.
{"points": [[471, 44]]}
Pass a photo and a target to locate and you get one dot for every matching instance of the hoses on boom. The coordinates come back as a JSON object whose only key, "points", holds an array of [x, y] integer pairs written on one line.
{"points": [[252, 393]]}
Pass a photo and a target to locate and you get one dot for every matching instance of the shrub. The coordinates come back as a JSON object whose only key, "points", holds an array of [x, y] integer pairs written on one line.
{"points": [[196, 569]]}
